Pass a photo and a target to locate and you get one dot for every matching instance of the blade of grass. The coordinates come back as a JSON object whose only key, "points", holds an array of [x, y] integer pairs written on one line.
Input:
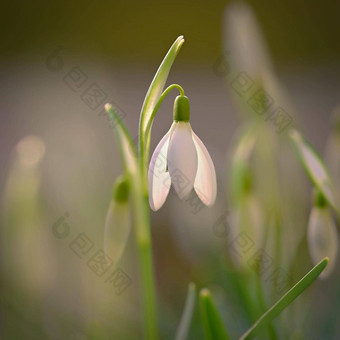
{"points": [[126, 147], [314, 166], [286, 299], [157, 84], [211, 319], [184, 325]]}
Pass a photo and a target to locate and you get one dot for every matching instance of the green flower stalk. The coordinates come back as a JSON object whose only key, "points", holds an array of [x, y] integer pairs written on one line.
{"points": [[136, 175], [23, 224], [26, 257], [182, 151]]}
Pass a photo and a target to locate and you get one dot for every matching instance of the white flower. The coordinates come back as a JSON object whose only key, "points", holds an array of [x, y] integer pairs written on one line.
{"points": [[322, 238], [116, 230], [181, 159], [117, 223]]}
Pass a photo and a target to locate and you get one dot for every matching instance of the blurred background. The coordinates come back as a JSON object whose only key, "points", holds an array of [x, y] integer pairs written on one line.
{"points": [[60, 63]]}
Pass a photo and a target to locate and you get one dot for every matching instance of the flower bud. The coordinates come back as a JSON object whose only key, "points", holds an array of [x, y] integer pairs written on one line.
{"points": [[182, 109], [117, 223]]}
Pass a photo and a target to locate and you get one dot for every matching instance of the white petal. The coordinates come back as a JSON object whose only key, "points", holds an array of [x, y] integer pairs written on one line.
{"points": [[182, 159], [205, 182], [117, 230], [322, 238], [159, 177]]}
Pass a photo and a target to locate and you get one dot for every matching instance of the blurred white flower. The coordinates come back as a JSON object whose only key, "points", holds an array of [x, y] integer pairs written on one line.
{"points": [[117, 229], [31, 150], [322, 237], [181, 159], [117, 223], [332, 154]]}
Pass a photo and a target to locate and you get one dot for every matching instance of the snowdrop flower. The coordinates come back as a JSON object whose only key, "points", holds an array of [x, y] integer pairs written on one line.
{"points": [[181, 159], [322, 235], [117, 223]]}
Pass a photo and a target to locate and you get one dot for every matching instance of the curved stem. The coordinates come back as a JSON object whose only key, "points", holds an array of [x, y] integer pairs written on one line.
{"points": [[141, 210], [161, 98]]}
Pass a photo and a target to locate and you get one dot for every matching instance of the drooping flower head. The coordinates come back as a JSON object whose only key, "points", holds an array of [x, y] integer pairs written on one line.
{"points": [[117, 223], [322, 234], [181, 160]]}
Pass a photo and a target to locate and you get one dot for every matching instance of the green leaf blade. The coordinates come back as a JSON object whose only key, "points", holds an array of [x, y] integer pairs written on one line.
{"points": [[314, 166], [286, 299], [184, 325], [126, 147], [211, 319], [155, 90]]}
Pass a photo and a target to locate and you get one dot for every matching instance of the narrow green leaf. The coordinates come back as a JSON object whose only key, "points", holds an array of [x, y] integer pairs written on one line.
{"points": [[314, 166], [184, 325], [155, 91], [126, 147], [211, 319], [286, 299]]}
